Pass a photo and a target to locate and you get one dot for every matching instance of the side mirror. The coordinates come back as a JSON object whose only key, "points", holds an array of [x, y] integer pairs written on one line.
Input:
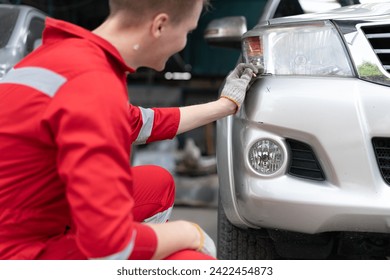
{"points": [[226, 32]]}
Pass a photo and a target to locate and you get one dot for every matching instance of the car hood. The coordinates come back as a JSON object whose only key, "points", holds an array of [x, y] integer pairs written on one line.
{"points": [[371, 11]]}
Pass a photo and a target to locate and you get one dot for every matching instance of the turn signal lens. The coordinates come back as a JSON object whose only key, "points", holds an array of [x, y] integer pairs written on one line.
{"points": [[253, 51], [266, 157]]}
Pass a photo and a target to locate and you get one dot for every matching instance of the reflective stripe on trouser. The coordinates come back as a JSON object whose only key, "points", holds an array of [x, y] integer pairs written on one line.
{"points": [[160, 218]]}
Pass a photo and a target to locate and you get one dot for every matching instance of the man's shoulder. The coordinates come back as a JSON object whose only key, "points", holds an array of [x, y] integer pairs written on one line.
{"points": [[71, 58]]}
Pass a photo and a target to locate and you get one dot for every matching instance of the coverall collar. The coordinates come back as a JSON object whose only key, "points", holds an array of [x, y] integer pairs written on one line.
{"points": [[59, 30]]}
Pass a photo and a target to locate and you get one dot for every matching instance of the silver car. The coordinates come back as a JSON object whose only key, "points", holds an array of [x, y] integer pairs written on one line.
{"points": [[304, 166], [20, 33]]}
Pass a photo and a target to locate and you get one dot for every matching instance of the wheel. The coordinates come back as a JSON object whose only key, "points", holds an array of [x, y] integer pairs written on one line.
{"points": [[265, 244], [242, 244]]}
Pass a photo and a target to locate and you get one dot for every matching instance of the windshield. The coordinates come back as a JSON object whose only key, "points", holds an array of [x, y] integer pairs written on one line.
{"points": [[8, 19]]}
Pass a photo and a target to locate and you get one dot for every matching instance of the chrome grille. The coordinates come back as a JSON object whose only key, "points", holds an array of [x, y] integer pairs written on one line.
{"points": [[382, 153], [379, 38]]}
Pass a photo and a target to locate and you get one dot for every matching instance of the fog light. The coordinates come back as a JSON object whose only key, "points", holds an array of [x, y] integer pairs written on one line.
{"points": [[266, 157]]}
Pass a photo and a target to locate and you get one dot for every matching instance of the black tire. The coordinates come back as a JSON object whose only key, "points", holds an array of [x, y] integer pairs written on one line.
{"points": [[242, 244], [263, 244]]}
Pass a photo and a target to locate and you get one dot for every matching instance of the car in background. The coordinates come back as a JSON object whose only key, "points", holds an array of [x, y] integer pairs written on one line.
{"points": [[304, 165], [20, 33]]}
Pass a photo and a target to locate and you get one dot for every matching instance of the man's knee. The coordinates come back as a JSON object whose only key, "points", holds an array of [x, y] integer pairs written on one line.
{"points": [[164, 175], [154, 193], [165, 181]]}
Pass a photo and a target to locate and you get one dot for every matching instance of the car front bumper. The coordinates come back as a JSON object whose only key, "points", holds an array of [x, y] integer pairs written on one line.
{"points": [[337, 118]]}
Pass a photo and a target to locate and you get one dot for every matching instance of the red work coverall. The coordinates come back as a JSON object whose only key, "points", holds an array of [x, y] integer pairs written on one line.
{"points": [[66, 127]]}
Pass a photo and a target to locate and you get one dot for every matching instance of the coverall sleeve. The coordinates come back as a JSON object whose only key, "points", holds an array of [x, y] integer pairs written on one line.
{"points": [[91, 128], [149, 125]]}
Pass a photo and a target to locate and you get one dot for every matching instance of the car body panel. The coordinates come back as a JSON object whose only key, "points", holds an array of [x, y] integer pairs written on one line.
{"points": [[278, 201]]}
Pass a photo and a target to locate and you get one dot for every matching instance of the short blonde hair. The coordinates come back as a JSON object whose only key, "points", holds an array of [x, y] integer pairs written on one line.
{"points": [[139, 9]]}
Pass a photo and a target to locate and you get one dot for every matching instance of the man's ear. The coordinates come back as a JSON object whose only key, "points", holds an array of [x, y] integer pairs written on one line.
{"points": [[159, 24]]}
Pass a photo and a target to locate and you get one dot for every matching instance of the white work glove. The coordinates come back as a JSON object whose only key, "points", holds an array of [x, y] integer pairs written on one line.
{"points": [[237, 82], [207, 245]]}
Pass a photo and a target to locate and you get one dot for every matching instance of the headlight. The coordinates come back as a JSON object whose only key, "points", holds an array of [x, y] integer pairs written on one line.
{"points": [[301, 49], [266, 157]]}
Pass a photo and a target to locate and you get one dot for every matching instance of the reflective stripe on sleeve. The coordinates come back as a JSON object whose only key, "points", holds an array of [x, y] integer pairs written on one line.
{"points": [[43, 80], [124, 254], [147, 126]]}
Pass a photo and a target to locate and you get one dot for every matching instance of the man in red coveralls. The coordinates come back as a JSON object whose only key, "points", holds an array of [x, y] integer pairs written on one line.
{"points": [[66, 127]]}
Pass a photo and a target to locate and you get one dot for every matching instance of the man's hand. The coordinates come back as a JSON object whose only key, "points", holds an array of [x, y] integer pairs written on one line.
{"points": [[237, 83], [233, 95], [206, 244]]}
